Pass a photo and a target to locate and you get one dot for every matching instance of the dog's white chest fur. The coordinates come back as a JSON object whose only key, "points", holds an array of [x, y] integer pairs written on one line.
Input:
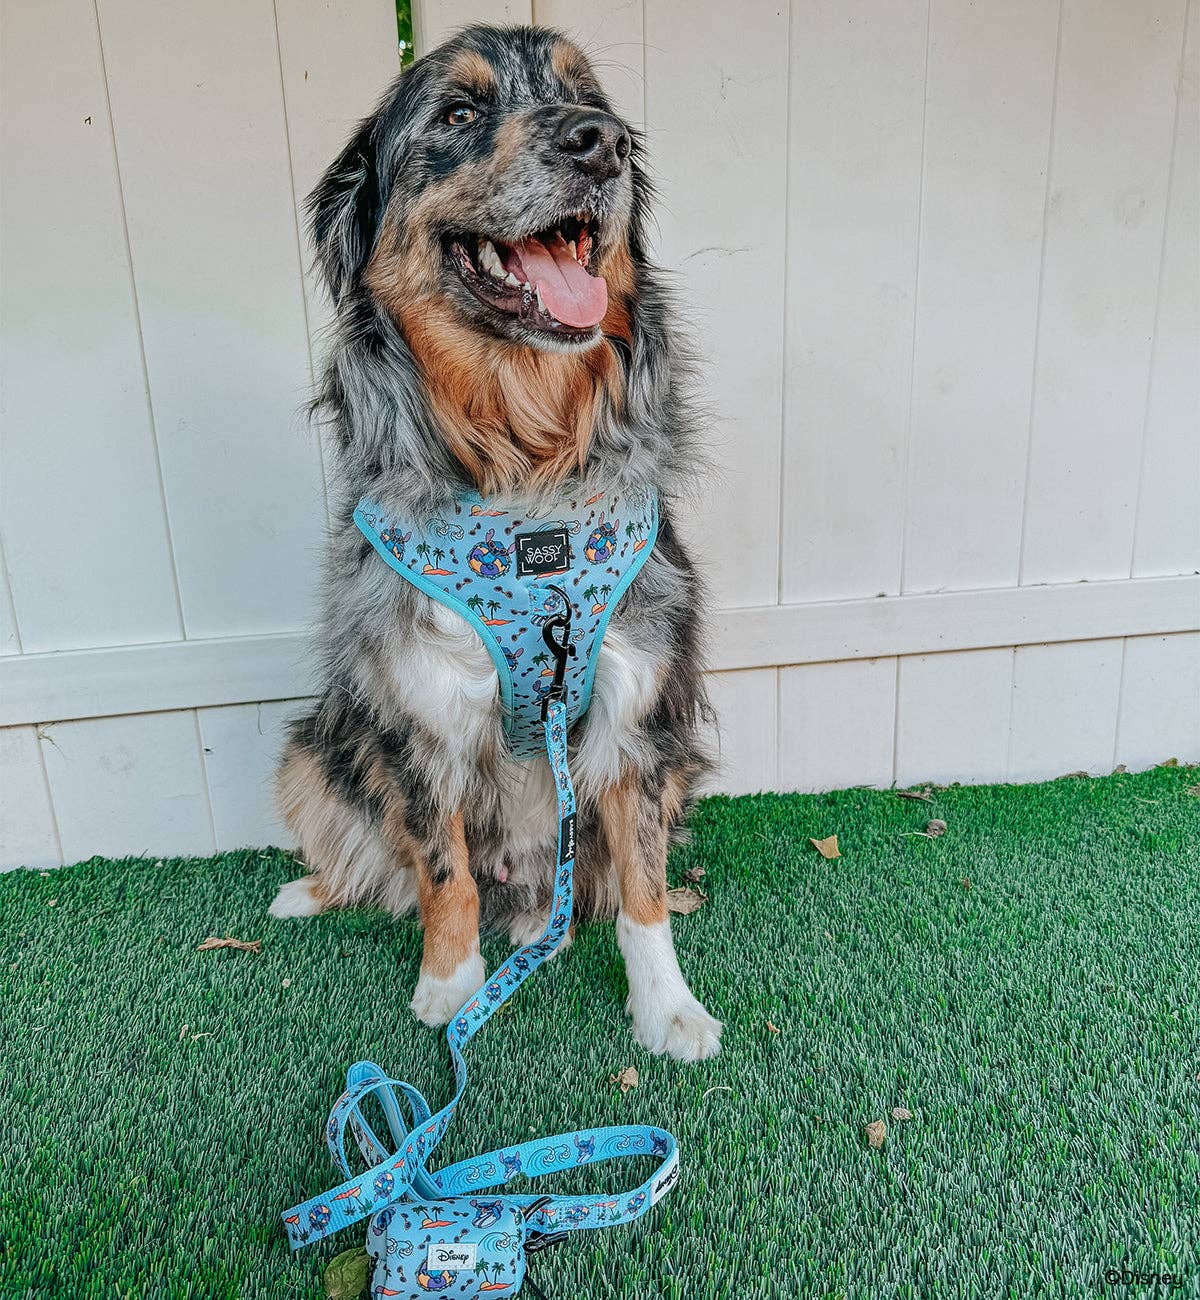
{"points": [[441, 672]]}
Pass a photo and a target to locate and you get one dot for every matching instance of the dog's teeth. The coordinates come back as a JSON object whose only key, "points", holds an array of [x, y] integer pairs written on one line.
{"points": [[527, 287], [489, 260], [571, 250], [509, 278], [541, 304]]}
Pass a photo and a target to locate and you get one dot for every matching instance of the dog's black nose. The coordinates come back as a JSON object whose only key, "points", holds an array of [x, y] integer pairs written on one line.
{"points": [[596, 142]]}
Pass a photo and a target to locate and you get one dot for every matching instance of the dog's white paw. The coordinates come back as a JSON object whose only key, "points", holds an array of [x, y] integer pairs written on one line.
{"points": [[530, 928], [436, 1000], [683, 1030], [296, 898]]}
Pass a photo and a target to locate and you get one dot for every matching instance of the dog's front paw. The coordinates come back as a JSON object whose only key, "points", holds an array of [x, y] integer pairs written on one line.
{"points": [[436, 1000], [297, 898], [681, 1029]]}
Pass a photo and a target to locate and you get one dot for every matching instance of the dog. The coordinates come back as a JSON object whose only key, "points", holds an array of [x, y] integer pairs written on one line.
{"points": [[498, 156]]}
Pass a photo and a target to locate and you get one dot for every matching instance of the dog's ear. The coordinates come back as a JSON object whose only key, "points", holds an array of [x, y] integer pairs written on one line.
{"points": [[345, 210]]}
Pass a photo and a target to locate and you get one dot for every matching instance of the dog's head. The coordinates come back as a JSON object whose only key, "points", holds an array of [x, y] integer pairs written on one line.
{"points": [[495, 187]]}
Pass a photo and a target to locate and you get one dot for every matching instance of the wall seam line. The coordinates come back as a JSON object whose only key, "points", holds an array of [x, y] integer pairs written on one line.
{"points": [[312, 369], [1037, 316], [208, 802], [912, 355], [37, 739], [137, 316], [6, 579], [1152, 368]]}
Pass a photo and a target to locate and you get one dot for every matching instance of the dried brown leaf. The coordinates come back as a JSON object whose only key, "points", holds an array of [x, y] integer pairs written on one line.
{"points": [[827, 848], [242, 945], [935, 828], [693, 875], [183, 1031], [625, 1078], [772, 1029], [966, 884], [1169, 762], [684, 901], [926, 794], [876, 1133], [899, 1112]]}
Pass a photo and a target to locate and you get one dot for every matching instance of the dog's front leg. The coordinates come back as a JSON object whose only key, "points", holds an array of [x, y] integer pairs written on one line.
{"points": [[666, 1017], [451, 967]]}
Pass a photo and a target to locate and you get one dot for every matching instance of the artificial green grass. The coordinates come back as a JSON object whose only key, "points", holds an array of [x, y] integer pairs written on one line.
{"points": [[1040, 1022]]}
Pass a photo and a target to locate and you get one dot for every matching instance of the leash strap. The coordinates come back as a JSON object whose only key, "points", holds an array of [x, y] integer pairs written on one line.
{"points": [[392, 1173]]}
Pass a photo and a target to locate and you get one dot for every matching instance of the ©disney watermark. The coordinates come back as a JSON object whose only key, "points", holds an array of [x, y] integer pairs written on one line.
{"points": [[1135, 1277]]}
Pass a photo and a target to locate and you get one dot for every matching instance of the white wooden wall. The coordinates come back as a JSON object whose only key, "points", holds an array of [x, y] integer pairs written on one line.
{"points": [[943, 259]]}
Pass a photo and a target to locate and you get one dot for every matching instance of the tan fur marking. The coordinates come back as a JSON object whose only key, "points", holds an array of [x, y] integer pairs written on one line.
{"points": [[449, 911], [570, 64], [637, 841], [471, 70], [513, 416]]}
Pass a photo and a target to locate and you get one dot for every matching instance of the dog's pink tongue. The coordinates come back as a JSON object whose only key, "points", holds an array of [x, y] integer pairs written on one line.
{"points": [[569, 293]]}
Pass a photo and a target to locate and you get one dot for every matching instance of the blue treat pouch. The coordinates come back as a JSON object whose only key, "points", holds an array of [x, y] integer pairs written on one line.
{"points": [[453, 1248]]}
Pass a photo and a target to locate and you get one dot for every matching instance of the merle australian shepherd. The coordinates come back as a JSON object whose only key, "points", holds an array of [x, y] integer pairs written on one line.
{"points": [[498, 328]]}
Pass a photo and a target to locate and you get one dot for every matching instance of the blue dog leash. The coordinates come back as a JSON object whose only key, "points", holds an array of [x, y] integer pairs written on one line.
{"points": [[399, 1172]]}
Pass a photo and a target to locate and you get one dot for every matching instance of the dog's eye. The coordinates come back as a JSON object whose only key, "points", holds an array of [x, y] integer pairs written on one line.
{"points": [[461, 115]]}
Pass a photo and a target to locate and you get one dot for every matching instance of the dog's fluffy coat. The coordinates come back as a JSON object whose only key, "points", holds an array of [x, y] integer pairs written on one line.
{"points": [[398, 786]]}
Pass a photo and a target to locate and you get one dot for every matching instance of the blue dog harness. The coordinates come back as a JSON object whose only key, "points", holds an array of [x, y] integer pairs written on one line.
{"points": [[506, 571], [519, 579]]}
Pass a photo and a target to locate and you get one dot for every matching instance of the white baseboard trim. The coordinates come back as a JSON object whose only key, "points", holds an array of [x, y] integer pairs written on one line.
{"points": [[115, 680]]}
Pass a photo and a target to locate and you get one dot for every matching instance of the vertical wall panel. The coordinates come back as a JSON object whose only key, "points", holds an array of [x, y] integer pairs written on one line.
{"points": [[1064, 709], [213, 239], [128, 786], [952, 716], [242, 745], [746, 743], [981, 237], [1168, 518], [10, 641], [80, 502], [336, 60], [1118, 71], [836, 724], [857, 94], [611, 35], [28, 837], [1160, 701], [434, 20], [716, 112]]}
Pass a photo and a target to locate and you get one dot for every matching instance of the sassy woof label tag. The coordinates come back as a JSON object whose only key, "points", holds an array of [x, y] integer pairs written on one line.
{"points": [[546, 551], [447, 1256], [566, 852]]}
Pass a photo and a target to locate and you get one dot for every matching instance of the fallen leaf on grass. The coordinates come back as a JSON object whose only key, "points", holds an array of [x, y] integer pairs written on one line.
{"points": [[1119, 769], [684, 901], [183, 1029], [933, 828], [1169, 762], [876, 1132], [827, 848], [1193, 789], [347, 1275], [242, 945], [625, 1079], [287, 984], [693, 875], [772, 1029], [926, 794], [898, 1112], [966, 884], [52, 902]]}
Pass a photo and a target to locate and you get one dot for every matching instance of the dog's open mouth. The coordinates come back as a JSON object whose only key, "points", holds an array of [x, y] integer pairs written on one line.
{"points": [[545, 280]]}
